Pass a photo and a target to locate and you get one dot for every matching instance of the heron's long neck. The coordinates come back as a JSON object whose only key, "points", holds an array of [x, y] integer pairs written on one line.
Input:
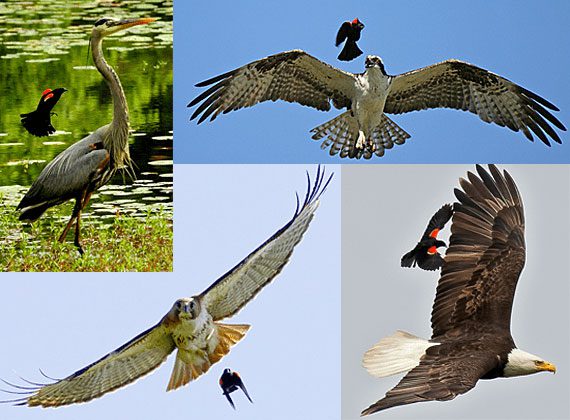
{"points": [[117, 136]]}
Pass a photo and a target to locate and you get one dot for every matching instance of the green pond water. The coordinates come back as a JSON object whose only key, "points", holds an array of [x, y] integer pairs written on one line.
{"points": [[44, 44]]}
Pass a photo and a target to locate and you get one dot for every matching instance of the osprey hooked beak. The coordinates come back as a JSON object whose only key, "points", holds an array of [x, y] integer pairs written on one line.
{"points": [[373, 60]]}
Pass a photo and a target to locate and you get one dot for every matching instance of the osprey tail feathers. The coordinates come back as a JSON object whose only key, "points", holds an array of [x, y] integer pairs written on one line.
{"points": [[400, 352], [344, 135], [189, 365]]}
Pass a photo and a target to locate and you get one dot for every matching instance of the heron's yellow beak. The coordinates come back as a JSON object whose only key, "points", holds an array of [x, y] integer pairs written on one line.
{"points": [[545, 366]]}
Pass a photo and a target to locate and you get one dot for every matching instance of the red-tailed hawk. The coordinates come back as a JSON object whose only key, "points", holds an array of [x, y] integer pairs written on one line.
{"points": [[192, 326]]}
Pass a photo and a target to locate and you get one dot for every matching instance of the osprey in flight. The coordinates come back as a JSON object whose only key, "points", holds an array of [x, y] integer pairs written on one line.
{"points": [[192, 326], [364, 129], [471, 314]]}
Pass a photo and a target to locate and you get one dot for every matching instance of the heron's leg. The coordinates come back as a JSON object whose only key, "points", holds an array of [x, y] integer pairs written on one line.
{"points": [[77, 241], [74, 213], [84, 201]]}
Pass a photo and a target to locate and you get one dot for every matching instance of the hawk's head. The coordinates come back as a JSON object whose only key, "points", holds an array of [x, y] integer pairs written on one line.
{"points": [[187, 308], [374, 61]]}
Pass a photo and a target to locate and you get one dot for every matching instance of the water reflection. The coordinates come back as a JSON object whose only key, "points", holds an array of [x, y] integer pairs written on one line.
{"points": [[44, 44]]}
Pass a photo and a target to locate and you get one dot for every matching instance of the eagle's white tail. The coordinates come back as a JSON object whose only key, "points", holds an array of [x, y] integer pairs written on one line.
{"points": [[400, 352], [345, 136]]}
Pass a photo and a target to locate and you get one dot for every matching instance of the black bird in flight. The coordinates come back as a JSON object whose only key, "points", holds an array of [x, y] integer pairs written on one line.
{"points": [[425, 253], [230, 381], [349, 31], [38, 122]]}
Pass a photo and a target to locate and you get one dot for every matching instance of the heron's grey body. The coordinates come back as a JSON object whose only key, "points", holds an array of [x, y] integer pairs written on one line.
{"points": [[91, 162]]}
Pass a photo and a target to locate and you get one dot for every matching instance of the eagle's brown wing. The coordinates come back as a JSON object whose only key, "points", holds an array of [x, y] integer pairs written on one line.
{"points": [[126, 364], [292, 76], [459, 85], [486, 253], [443, 373], [234, 289]]}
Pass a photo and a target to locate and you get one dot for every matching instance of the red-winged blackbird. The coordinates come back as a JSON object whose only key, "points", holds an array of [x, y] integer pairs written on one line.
{"points": [[230, 381], [349, 31], [425, 253], [38, 122]]}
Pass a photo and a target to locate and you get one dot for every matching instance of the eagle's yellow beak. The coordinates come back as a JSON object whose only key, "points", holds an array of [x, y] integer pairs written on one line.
{"points": [[545, 366]]}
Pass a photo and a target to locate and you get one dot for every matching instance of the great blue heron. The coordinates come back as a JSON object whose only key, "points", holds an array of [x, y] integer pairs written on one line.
{"points": [[91, 162]]}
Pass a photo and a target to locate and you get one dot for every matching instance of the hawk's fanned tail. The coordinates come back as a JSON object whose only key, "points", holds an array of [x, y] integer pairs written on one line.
{"points": [[228, 335], [342, 134], [191, 365]]}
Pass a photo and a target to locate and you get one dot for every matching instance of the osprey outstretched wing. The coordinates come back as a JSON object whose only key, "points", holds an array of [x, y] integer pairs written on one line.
{"points": [[459, 85], [364, 130], [191, 326]]}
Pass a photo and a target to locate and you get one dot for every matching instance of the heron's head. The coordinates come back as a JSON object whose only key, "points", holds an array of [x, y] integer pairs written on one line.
{"points": [[107, 26], [373, 61], [187, 308]]}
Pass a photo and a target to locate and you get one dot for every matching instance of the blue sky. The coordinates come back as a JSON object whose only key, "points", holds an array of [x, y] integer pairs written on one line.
{"points": [[290, 358], [524, 42]]}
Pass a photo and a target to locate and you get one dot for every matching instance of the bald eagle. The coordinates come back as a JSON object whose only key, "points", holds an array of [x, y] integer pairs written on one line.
{"points": [[471, 314]]}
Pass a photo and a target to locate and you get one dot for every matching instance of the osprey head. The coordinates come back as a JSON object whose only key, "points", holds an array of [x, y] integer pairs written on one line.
{"points": [[187, 308], [374, 61], [107, 26]]}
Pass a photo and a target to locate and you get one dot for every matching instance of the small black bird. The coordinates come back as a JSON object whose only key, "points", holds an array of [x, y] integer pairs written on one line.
{"points": [[351, 32], [425, 253], [38, 122], [230, 381]]}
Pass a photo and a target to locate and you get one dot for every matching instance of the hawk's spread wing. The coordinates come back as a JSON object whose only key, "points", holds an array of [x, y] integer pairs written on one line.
{"points": [[234, 289], [126, 364], [486, 253], [292, 76], [459, 85], [443, 373]]}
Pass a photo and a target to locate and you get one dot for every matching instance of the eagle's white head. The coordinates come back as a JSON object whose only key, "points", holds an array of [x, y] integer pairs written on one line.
{"points": [[522, 363]]}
